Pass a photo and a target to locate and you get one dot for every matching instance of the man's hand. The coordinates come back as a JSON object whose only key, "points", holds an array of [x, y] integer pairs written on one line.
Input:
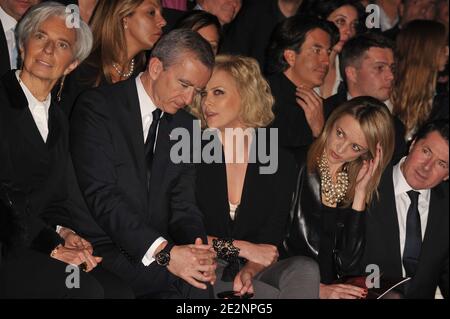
{"points": [[193, 263], [312, 105], [74, 241]]}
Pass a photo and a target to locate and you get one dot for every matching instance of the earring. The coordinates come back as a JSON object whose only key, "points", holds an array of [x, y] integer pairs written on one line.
{"points": [[61, 86]]}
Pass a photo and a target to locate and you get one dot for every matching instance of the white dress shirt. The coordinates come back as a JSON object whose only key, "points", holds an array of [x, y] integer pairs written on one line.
{"points": [[9, 26], [402, 203], [38, 109], [147, 107]]}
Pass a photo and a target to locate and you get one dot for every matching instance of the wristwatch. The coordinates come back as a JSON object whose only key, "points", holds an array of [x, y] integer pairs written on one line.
{"points": [[163, 257]]}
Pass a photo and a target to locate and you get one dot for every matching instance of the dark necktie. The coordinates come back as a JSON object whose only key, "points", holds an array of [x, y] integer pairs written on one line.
{"points": [[150, 143], [413, 240]]}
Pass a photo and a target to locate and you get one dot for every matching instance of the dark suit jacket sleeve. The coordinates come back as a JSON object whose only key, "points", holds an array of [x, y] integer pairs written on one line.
{"points": [[186, 223], [444, 280], [94, 158]]}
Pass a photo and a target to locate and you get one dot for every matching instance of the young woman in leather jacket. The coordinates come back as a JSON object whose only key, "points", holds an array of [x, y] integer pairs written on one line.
{"points": [[338, 178]]}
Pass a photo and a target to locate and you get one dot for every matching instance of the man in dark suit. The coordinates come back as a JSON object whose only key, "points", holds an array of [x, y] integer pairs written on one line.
{"points": [[407, 227], [11, 11], [367, 66], [144, 220]]}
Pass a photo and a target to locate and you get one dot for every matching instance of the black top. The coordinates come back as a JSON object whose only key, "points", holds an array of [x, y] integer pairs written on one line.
{"points": [[334, 237], [264, 209], [293, 129]]}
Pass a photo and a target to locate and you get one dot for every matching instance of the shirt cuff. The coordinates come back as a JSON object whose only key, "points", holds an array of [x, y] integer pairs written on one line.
{"points": [[148, 257]]}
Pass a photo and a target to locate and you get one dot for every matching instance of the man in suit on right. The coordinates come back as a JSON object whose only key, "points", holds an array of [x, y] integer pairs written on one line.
{"points": [[407, 227]]}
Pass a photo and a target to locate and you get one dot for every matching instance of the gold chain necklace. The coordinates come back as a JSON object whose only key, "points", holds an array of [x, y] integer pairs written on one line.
{"points": [[333, 194]]}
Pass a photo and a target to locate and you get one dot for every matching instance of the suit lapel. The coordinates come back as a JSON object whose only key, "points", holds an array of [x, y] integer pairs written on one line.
{"points": [[5, 64]]}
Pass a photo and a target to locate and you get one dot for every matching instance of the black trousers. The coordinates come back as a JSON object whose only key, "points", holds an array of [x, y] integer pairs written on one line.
{"points": [[151, 282], [30, 274]]}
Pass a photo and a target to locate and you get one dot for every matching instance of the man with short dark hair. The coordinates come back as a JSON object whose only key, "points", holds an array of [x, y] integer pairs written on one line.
{"points": [[367, 66], [298, 62], [144, 219], [407, 227]]}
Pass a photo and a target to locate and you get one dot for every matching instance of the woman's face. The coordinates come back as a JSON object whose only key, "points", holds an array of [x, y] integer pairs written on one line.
{"points": [[221, 102], [144, 27], [346, 141], [48, 54], [443, 58], [346, 19], [210, 34]]}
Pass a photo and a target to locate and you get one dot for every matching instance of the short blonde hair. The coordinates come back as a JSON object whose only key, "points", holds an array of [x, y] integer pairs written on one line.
{"points": [[377, 124], [256, 97]]}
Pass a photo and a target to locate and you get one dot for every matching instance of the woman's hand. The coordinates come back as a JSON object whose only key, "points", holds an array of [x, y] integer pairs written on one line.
{"points": [[243, 282], [76, 257], [341, 291], [363, 178], [262, 254]]}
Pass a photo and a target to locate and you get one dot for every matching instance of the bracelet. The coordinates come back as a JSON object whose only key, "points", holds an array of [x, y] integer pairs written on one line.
{"points": [[225, 249]]}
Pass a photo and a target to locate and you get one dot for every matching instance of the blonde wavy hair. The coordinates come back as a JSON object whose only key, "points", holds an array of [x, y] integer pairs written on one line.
{"points": [[256, 97], [419, 45], [377, 124]]}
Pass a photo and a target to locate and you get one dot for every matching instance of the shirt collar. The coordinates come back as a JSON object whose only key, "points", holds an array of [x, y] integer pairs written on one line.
{"points": [[401, 186], [32, 101], [146, 104], [8, 22]]}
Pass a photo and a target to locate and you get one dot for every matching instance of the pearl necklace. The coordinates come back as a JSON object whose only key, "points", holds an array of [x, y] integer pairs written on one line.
{"points": [[122, 74], [332, 193]]}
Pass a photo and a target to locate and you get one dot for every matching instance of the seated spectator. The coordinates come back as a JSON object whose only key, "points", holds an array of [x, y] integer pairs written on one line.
{"points": [[246, 210], [367, 67], [206, 24], [34, 147], [123, 30], [346, 15], [422, 51], [298, 63], [338, 179], [224, 10], [407, 226]]}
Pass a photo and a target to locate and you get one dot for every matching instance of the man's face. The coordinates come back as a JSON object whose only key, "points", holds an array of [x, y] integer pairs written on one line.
{"points": [[224, 10], [374, 76], [174, 87], [427, 163], [418, 10], [17, 8], [310, 66]]}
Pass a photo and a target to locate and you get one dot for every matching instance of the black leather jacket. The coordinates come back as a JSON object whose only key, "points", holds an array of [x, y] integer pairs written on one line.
{"points": [[309, 220]]}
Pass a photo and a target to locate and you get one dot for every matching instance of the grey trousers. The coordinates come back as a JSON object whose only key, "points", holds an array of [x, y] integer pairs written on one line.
{"points": [[293, 278]]}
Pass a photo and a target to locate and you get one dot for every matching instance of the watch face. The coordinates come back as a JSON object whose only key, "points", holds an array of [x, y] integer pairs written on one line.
{"points": [[162, 259]]}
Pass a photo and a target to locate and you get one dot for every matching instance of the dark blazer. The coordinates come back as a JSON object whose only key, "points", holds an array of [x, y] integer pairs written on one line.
{"points": [[107, 146], [263, 213], [334, 237], [293, 129], [32, 166], [383, 243], [336, 100], [5, 64]]}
